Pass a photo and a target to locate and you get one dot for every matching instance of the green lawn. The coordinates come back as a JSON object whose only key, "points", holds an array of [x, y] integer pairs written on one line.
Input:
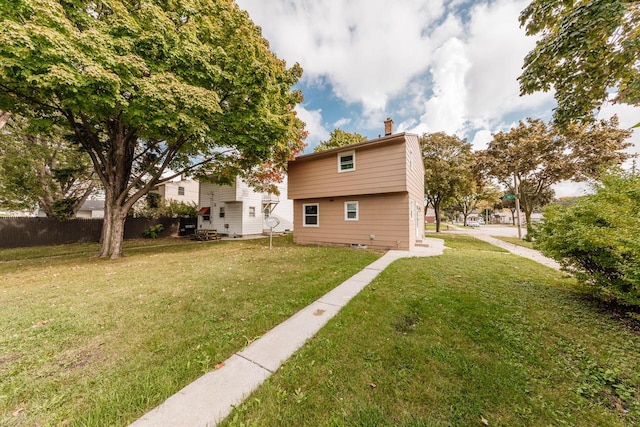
{"points": [[471, 337], [93, 342], [515, 241]]}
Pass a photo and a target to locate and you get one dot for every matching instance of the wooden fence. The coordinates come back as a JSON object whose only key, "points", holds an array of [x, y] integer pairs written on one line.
{"points": [[16, 232]]}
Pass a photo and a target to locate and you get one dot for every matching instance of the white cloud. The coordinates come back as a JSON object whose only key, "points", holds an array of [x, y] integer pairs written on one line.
{"points": [[496, 47], [446, 110], [481, 139], [475, 71], [313, 121], [367, 49], [441, 65], [340, 123]]}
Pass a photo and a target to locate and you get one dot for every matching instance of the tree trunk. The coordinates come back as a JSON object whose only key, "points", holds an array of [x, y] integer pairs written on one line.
{"points": [[527, 218], [436, 208], [4, 118], [113, 229]]}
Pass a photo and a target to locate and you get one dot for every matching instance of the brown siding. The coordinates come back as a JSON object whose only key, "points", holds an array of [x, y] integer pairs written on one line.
{"points": [[380, 168], [384, 216], [415, 183]]}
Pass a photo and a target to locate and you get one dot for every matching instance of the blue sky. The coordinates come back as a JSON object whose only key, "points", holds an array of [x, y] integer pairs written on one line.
{"points": [[431, 65]]}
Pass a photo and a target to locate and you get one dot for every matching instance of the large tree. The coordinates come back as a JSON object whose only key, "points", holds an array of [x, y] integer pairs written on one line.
{"points": [[339, 138], [539, 155], [587, 49], [479, 189], [150, 86], [447, 163], [42, 170]]}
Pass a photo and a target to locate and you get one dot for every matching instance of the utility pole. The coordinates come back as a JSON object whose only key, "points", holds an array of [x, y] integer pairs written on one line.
{"points": [[516, 191]]}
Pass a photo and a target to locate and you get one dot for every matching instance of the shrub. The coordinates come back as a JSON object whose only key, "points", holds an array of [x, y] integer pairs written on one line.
{"points": [[598, 238], [153, 231]]}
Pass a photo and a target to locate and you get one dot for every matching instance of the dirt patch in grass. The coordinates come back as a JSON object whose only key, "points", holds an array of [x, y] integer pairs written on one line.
{"points": [[78, 358], [6, 359]]}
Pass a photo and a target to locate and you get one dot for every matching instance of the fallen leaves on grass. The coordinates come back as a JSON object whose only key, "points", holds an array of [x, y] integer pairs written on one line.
{"points": [[484, 421], [41, 323], [219, 365], [18, 411]]}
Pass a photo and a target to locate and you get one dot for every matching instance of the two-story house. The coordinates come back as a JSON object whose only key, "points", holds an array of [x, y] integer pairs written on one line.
{"points": [[238, 210], [185, 190], [370, 193]]}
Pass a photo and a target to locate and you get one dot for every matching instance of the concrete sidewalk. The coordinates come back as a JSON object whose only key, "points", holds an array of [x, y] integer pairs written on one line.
{"points": [[210, 398], [531, 254]]}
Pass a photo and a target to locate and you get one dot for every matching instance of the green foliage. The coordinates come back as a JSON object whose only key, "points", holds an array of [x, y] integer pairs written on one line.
{"points": [[65, 208], [586, 48], [447, 169], [42, 169], [597, 238], [171, 209], [153, 232], [339, 138], [541, 154], [148, 86]]}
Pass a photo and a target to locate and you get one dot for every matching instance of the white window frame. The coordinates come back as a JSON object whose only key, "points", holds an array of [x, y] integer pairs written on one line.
{"points": [[221, 212], [252, 211], [344, 154], [180, 191], [346, 211], [304, 215]]}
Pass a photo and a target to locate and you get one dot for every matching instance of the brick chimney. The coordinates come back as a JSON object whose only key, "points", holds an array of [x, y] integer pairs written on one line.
{"points": [[388, 126]]}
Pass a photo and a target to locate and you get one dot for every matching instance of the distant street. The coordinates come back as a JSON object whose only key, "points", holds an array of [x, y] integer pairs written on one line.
{"points": [[496, 230], [502, 230]]}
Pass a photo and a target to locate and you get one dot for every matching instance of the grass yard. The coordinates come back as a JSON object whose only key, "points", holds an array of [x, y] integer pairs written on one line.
{"points": [[515, 241], [92, 342], [474, 337]]}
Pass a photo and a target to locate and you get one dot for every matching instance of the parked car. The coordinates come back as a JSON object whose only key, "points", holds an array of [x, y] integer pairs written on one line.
{"points": [[481, 221], [473, 224]]}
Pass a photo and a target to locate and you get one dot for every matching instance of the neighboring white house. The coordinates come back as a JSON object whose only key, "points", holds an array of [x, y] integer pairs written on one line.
{"points": [[91, 209], [238, 210], [185, 190]]}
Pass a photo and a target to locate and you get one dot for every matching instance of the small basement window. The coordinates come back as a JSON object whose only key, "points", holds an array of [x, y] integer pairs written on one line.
{"points": [[311, 215], [350, 211], [347, 161]]}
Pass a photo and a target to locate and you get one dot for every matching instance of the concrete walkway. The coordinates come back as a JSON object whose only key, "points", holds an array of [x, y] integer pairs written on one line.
{"points": [[210, 398], [518, 250]]}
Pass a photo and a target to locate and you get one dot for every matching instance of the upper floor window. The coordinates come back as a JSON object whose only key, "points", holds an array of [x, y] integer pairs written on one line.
{"points": [[180, 191], [410, 159], [347, 161], [350, 211], [221, 211]]}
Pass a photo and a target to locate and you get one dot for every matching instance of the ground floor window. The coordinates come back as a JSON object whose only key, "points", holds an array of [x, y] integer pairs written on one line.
{"points": [[252, 211], [350, 211], [221, 211], [311, 215]]}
